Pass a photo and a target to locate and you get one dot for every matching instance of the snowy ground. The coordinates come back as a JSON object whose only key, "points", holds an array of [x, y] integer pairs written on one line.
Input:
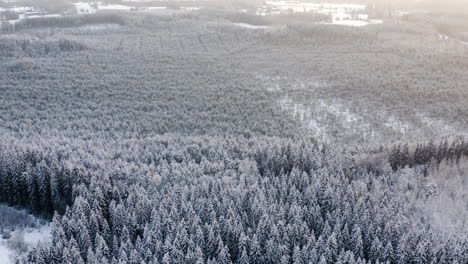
{"points": [[84, 8], [88, 8], [352, 15], [22, 238], [115, 7], [442, 187], [250, 26], [333, 119], [357, 23], [156, 8], [324, 8], [37, 16]]}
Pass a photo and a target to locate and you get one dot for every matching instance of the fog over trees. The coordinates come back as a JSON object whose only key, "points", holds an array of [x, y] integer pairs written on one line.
{"points": [[208, 132]]}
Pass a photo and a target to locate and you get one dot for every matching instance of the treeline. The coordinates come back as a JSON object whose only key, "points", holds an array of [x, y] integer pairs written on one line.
{"points": [[262, 200], [35, 48], [9, 15], [31, 180], [62, 22], [250, 17], [327, 34], [424, 154], [70, 21]]}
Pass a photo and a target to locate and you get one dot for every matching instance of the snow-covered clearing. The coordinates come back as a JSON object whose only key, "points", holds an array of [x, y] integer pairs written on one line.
{"points": [[444, 186], [250, 26], [23, 9], [330, 119], [191, 8], [84, 8], [151, 8], [43, 16], [325, 119], [324, 8], [356, 23], [16, 239], [353, 15], [115, 7], [443, 128], [89, 8]]}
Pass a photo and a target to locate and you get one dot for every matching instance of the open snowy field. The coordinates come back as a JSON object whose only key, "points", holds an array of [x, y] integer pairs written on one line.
{"points": [[20, 231], [353, 15]]}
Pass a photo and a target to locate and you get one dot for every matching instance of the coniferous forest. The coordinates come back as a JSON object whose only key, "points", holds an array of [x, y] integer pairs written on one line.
{"points": [[185, 138]]}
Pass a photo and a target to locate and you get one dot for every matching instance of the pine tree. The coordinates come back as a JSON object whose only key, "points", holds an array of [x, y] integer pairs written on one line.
{"points": [[91, 257], [244, 258], [271, 251], [84, 241], [135, 257], [401, 253], [297, 256], [357, 247], [224, 256], [154, 260], [332, 245], [376, 250], [388, 253], [420, 254], [255, 251], [323, 260], [166, 259], [74, 253]]}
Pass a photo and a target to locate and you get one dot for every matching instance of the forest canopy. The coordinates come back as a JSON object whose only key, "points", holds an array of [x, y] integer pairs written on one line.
{"points": [[193, 138]]}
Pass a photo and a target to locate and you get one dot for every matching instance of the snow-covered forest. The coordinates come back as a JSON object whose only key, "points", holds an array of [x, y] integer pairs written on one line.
{"points": [[217, 136]]}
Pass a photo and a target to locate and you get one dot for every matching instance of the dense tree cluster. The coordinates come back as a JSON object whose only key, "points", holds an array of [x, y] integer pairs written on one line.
{"points": [[70, 21], [27, 48], [253, 19], [148, 90], [424, 154], [246, 201], [57, 21], [8, 15]]}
